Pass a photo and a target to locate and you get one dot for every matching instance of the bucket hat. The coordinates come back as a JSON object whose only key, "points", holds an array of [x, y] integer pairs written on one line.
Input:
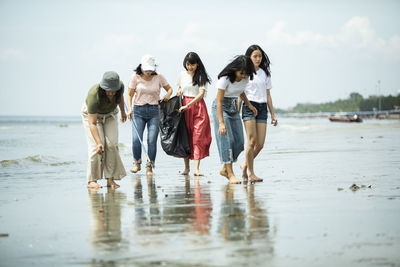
{"points": [[148, 63], [110, 81]]}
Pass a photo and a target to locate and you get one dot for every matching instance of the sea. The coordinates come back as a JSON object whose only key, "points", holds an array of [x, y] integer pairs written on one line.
{"points": [[330, 197]]}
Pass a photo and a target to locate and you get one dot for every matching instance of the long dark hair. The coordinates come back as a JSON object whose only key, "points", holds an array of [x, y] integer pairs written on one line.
{"points": [[139, 70], [264, 61], [240, 63], [200, 76], [103, 96]]}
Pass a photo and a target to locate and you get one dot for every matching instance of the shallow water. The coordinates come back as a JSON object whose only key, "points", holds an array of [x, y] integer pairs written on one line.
{"points": [[299, 215]]}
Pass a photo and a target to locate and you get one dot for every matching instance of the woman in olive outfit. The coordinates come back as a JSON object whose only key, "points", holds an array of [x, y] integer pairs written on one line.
{"points": [[100, 120]]}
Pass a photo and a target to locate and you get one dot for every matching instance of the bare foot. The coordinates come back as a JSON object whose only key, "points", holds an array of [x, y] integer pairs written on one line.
{"points": [[244, 171], [233, 180], [185, 172], [149, 171], [224, 172], [255, 179], [136, 168], [112, 184], [94, 185], [198, 173]]}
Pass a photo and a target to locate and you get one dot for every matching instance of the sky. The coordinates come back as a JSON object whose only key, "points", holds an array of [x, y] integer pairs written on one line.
{"points": [[52, 52]]}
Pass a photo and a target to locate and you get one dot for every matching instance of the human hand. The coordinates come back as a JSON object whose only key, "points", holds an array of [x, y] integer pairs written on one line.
{"points": [[222, 129], [274, 121], [99, 149], [129, 114], [123, 117], [183, 108], [179, 92], [165, 98], [255, 111]]}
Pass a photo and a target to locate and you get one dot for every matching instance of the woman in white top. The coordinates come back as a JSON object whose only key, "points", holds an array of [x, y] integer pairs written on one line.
{"points": [[192, 85], [227, 123], [259, 95]]}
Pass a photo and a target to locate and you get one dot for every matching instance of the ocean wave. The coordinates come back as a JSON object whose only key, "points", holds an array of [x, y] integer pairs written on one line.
{"points": [[36, 159]]}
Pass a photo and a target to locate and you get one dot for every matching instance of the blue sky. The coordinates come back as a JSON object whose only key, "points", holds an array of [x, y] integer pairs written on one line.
{"points": [[52, 52]]}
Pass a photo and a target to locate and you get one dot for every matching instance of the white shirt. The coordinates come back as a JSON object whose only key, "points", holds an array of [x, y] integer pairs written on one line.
{"points": [[232, 89], [256, 89], [185, 82]]}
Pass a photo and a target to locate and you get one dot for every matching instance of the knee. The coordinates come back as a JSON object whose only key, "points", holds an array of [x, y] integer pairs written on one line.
{"points": [[251, 144], [258, 147]]}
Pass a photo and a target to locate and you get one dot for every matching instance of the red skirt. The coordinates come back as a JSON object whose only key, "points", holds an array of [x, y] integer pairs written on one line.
{"points": [[198, 127]]}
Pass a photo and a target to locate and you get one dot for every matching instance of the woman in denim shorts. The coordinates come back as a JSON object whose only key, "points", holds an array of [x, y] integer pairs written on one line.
{"points": [[227, 124], [145, 84], [258, 93]]}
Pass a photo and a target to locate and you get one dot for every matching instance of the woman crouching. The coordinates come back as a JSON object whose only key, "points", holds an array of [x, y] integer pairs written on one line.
{"points": [[100, 120]]}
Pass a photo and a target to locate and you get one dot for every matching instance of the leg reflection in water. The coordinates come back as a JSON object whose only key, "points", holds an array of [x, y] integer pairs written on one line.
{"points": [[203, 208], [147, 216], [233, 216], [106, 220], [239, 222]]}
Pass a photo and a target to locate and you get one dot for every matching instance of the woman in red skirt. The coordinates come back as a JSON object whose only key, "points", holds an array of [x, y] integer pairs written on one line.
{"points": [[192, 85]]}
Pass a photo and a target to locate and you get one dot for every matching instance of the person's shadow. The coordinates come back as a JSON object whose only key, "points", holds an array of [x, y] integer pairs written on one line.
{"points": [[106, 232]]}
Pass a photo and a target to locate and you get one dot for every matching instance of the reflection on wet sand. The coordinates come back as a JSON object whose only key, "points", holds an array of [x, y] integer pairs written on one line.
{"points": [[185, 210], [106, 220], [258, 224], [203, 208], [238, 223], [147, 217], [182, 220]]}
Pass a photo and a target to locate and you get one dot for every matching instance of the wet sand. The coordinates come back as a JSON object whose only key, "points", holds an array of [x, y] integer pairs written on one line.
{"points": [[303, 214]]}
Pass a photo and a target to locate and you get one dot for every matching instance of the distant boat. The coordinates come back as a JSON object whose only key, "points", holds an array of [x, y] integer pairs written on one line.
{"points": [[345, 118]]}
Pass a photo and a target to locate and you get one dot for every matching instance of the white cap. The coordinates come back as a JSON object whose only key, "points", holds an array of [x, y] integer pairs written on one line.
{"points": [[148, 63]]}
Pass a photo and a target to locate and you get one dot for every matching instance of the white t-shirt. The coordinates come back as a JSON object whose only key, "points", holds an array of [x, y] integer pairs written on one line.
{"points": [[185, 81], [256, 89], [232, 89]]}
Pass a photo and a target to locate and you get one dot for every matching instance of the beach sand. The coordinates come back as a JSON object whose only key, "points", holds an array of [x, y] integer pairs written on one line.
{"points": [[303, 214]]}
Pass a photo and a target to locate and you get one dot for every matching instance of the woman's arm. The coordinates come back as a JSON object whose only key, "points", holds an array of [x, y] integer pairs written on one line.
{"points": [[168, 94], [194, 100], [179, 91], [274, 121], [247, 102], [122, 108], [92, 118], [131, 93], [220, 99]]}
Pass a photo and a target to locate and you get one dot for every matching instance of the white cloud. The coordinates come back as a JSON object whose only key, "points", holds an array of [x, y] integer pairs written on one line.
{"points": [[355, 34]]}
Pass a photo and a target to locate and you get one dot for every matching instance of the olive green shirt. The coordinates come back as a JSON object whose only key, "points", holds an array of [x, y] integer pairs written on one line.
{"points": [[95, 105]]}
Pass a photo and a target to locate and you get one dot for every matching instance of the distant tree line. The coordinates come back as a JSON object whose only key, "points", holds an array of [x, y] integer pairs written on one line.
{"points": [[355, 102]]}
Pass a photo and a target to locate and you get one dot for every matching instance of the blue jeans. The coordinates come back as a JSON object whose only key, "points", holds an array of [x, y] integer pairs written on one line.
{"points": [[146, 114], [231, 144]]}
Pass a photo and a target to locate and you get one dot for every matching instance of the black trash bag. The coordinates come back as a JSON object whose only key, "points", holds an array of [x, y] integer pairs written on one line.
{"points": [[173, 132]]}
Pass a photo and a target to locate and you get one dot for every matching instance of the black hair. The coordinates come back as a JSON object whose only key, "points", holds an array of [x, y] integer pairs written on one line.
{"points": [[264, 61], [103, 96], [200, 76], [240, 63], [139, 70]]}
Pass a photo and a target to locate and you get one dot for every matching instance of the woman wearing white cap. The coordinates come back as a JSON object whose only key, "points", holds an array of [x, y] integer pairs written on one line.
{"points": [[99, 116], [145, 85]]}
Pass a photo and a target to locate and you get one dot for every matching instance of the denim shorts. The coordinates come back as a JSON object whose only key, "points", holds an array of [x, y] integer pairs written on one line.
{"points": [[248, 114]]}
